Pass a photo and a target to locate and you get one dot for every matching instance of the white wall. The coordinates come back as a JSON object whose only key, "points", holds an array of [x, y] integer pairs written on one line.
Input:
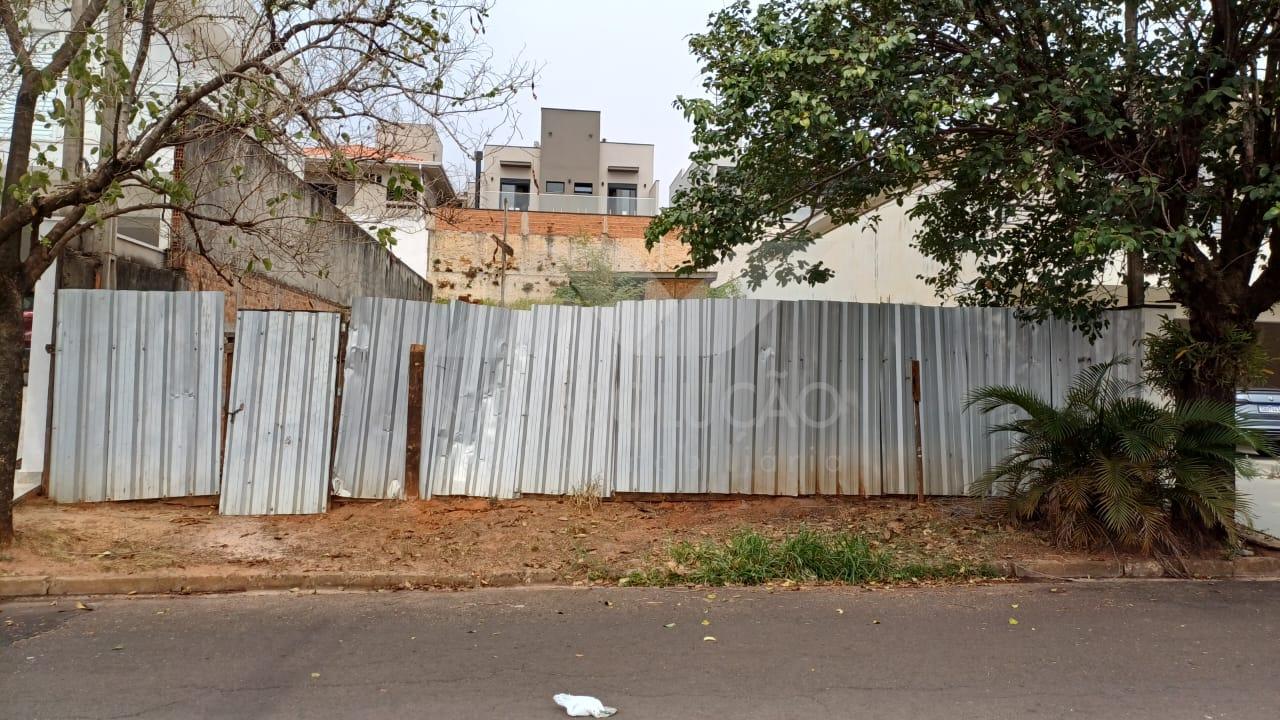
{"points": [[35, 397], [871, 264]]}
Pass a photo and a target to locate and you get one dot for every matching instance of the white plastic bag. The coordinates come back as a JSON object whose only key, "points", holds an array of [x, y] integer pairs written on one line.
{"points": [[583, 706]]}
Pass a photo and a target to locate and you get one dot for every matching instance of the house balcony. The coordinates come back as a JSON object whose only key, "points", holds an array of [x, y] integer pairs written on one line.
{"points": [[570, 203]]}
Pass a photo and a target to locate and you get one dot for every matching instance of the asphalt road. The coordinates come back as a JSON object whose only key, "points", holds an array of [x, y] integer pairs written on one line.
{"points": [[1097, 650]]}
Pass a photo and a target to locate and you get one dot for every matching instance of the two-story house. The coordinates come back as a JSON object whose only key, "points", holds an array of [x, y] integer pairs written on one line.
{"points": [[570, 168]]}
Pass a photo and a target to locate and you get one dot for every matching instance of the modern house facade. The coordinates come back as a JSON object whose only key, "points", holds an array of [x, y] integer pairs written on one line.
{"points": [[571, 168], [377, 196]]}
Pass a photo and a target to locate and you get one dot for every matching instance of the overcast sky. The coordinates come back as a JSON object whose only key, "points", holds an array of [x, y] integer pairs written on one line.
{"points": [[627, 58]]}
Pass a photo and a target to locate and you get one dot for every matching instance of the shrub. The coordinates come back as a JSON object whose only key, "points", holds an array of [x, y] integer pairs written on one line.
{"points": [[1109, 466], [1176, 361]]}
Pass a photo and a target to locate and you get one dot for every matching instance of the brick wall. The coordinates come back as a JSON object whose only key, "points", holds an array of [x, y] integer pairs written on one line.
{"points": [[548, 246], [246, 292]]}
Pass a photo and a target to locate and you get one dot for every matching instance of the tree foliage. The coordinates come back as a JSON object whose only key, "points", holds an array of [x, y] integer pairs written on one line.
{"points": [[1041, 144]]}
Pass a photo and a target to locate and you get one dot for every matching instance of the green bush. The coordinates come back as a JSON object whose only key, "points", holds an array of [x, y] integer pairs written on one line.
{"points": [[1109, 467], [1175, 361], [750, 558]]}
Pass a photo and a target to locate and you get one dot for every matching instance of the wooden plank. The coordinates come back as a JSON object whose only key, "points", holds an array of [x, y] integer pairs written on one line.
{"points": [[413, 439]]}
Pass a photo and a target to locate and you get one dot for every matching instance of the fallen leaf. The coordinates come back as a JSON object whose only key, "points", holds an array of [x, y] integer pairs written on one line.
{"points": [[608, 603], [706, 622], [839, 611], [1013, 621], [709, 638], [669, 625], [315, 675], [82, 606], [875, 622], [1014, 606], [118, 647], [711, 596]]}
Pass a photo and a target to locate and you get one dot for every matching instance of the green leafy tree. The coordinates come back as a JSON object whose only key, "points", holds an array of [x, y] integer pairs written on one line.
{"points": [[1044, 146], [155, 75]]}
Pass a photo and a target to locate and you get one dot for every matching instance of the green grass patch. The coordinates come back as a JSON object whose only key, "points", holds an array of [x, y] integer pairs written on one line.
{"points": [[750, 558]]}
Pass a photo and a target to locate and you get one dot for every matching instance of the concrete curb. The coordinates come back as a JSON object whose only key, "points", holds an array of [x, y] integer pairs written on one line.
{"points": [[191, 584], [1254, 568]]}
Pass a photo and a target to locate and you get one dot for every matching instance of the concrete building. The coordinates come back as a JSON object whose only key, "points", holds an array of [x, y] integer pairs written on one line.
{"points": [[377, 196], [570, 169]]}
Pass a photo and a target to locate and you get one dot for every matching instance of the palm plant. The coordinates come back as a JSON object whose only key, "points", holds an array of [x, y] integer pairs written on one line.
{"points": [[1110, 466]]}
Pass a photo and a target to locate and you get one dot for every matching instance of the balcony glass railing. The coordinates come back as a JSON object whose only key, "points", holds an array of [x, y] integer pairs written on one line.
{"points": [[570, 203]]}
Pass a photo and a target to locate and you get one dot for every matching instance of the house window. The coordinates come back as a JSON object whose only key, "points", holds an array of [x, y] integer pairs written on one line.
{"points": [[401, 194], [513, 194], [582, 188], [328, 191], [555, 186], [622, 199]]}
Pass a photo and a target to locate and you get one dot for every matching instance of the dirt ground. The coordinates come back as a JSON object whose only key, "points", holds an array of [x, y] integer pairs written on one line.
{"points": [[578, 541]]}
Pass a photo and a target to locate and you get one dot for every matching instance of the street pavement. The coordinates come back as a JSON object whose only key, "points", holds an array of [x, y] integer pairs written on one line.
{"points": [[1150, 649]]}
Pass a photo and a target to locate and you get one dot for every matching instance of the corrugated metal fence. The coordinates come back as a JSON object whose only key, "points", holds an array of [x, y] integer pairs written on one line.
{"points": [[370, 458], [280, 414], [690, 396], [137, 402], [700, 396]]}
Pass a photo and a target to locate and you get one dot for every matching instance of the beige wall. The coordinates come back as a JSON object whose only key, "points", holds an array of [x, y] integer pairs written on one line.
{"points": [[871, 264], [628, 155], [570, 148], [548, 246], [494, 170]]}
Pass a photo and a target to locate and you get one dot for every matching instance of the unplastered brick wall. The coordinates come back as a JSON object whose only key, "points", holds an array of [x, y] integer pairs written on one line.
{"points": [[465, 262], [247, 292]]}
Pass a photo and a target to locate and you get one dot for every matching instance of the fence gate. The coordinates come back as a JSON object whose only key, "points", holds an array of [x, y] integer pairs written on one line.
{"points": [[137, 395], [280, 414]]}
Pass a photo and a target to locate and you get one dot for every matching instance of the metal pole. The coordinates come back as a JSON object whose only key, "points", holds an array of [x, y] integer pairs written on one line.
{"points": [[502, 273], [106, 230], [915, 397], [479, 157]]}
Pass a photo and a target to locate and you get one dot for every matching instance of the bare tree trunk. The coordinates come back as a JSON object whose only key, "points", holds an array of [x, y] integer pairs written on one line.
{"points": [[11, 350]]}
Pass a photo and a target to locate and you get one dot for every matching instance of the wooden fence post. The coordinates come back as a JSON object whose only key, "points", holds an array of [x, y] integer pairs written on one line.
{"points": [[915, 398], [413, 443]]}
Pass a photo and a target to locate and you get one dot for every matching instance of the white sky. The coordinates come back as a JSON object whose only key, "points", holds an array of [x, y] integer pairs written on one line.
{"points": [[627, 58]]}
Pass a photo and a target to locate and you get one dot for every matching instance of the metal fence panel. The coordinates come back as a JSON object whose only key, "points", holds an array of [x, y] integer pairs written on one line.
{"points": [[729, 396], [369, 461], [137, 395], [280, 425], [474, 396], [569, 387], [747, 396], [961, 350]]}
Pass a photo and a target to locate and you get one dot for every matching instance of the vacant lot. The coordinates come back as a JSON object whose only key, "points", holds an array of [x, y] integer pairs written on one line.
{"points": [[577, 540]]}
